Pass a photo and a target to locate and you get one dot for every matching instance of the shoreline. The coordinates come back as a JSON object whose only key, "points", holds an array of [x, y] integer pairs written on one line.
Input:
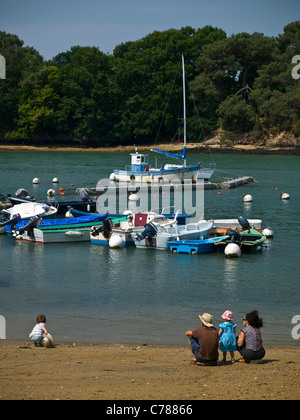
{"points": [[191, 148], [83, 371]]}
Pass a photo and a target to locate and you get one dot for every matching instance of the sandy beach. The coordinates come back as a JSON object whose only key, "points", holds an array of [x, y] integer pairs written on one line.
{"points": [[168, 147], [141, 372]]}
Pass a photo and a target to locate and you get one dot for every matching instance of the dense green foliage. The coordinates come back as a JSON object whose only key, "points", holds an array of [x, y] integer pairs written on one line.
{"points": [[238, 83]]}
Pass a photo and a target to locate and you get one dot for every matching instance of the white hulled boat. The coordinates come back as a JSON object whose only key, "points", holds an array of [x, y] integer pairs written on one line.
{"points": [[140, 170]]}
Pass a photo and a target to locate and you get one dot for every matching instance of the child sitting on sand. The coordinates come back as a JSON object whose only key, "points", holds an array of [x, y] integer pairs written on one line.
{"points": [[227, 341], [39, 330]]}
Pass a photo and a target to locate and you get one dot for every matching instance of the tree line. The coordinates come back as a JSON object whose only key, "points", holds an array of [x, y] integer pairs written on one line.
{"points": [[241, 83]]}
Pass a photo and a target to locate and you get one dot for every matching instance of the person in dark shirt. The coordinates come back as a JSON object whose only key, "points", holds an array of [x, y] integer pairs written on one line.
{"points": [[204, 341]]}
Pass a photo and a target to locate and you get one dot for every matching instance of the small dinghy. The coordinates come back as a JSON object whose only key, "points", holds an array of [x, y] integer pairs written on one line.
{"points": [[250, 240], [159, 237], [58, 230], [201, 246], [30, 209]]}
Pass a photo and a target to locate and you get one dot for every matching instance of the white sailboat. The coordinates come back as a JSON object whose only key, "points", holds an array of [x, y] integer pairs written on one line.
{"points": [[141, 171]]}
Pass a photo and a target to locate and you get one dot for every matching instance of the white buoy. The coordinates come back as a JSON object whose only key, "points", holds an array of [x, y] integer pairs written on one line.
{"points": [[55, 181], [35, 181], [247, 198], [69, 215], [51, 193], [115, 241], [232, 250], [285, 196], [112, 177], [127, 212], [268, 232], [133, 197]]}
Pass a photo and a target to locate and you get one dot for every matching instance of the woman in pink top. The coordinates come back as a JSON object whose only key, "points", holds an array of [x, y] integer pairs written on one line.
{"points": [[249, 342]]}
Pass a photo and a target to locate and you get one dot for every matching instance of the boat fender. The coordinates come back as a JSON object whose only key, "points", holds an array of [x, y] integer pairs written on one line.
{"points": [[146, 169], [268, 232], [51, 192], [69, 215], [116, 241], [74, 233], [232, 250]]}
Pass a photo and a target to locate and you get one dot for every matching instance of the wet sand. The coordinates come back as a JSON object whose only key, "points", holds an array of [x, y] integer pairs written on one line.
{"points": [[140, 372], [167, 147]]}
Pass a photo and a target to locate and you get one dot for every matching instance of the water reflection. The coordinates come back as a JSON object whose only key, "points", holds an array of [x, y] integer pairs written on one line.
{"points": [[231, 275]]}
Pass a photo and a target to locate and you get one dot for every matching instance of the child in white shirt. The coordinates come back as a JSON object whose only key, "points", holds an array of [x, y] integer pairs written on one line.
{"points": [[39, 330]]}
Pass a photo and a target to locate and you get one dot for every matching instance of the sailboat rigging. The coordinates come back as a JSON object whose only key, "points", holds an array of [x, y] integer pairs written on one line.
{"points": [[142, 172]]}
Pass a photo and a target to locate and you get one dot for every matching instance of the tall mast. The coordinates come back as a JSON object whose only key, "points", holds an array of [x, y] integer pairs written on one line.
{"points": [[184, 106]]}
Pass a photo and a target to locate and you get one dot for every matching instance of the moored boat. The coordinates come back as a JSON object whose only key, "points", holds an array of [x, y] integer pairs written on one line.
{"points": [[58, 223], [159, 237], [86, 204], [141, 171], [141, 218], [249, 241], [111, 233], [27, 210], [201, 246], [66, 231]]}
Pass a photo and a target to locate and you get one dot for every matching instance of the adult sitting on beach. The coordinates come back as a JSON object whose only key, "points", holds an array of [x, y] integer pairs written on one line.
{"points": [[249, 342], [204, 341]]}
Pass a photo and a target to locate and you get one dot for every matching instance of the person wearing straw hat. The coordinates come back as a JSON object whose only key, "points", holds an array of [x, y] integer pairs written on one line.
{"points": [[204, 341]]}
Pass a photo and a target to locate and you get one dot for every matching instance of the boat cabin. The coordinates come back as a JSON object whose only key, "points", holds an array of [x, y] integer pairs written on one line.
{"points": [[139, 162]]}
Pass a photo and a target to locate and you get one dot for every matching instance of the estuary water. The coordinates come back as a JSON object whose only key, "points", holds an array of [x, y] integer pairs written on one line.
{"points": [[95, 294]]}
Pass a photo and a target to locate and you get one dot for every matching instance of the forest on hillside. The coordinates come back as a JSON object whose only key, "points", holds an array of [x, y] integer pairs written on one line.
{"points": [[239, 83]]}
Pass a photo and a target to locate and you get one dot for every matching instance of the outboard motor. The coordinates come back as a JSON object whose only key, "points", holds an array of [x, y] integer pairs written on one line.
{"points": [[84, 196], [149, 232], [244, 223], [22, 194], [105, 229], [234, 236], [12, 222], [33, 223]]}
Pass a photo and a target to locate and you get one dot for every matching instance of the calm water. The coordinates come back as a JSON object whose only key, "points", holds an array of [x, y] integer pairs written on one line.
{"points": [[96, 294]]}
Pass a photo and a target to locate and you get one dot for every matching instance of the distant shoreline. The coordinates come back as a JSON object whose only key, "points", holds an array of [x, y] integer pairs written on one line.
{"points": [[191, 148]]}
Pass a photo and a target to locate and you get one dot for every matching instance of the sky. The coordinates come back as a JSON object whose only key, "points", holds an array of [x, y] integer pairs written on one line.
{"points": [[54, 26]]}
